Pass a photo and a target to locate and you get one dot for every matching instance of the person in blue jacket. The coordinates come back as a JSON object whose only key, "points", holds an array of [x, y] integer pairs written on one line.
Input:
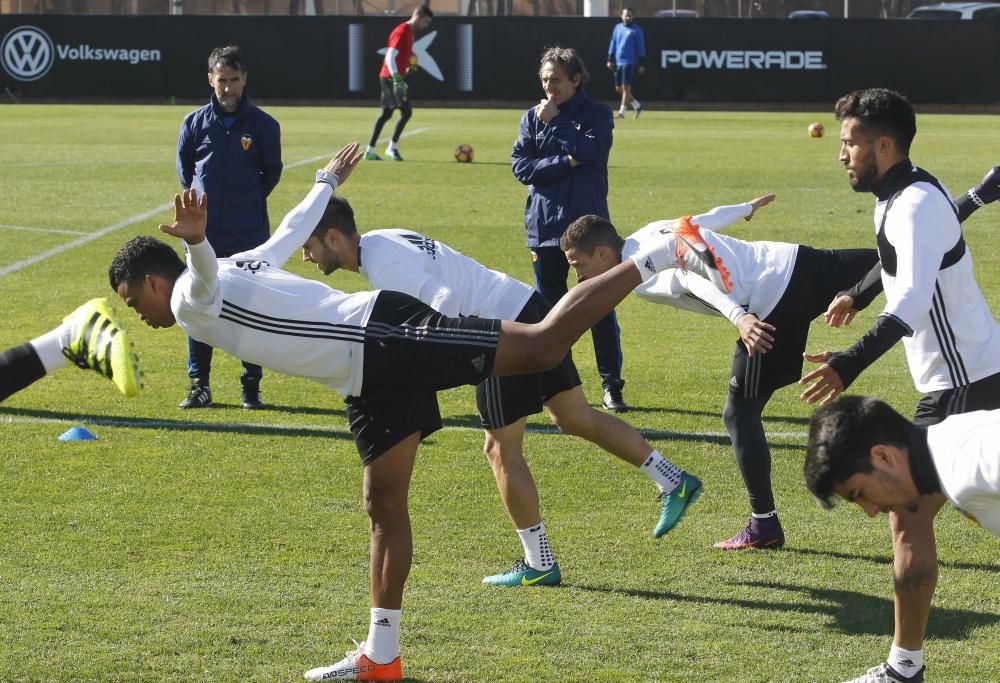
{"points": [[230, 150], [561, 154], [626, 56]]}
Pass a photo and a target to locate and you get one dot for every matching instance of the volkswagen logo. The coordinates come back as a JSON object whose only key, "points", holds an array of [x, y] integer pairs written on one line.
{"points": [[26, 53]]}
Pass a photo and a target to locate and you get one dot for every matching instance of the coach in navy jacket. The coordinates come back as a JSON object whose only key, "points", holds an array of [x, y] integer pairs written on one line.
{"points": [[561, 154], [230, 150]]}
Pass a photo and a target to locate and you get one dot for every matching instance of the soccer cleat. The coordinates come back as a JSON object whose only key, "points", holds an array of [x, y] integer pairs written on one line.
{"points": [[758, 533], [638, 110], [357, 667], [613, 399], [251, 395], [200, 396], [883, 673], [676, 503], [393, 154], [620, 115], [372, 156], [523, 575], [100, 343], [693, 253]]}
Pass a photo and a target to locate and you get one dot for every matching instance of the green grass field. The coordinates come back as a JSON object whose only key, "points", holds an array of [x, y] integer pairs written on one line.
{"points": [[220, 544]]}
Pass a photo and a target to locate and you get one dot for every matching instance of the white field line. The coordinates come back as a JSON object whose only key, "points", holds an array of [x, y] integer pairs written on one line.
{"points": [[25, 228], [132, 220], [246, 427]]}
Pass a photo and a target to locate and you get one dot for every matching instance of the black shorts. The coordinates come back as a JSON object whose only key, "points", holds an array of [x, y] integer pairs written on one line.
{"points": [[389, 99], [818, 276], [983, 394], [412, 352], [505, 400]]}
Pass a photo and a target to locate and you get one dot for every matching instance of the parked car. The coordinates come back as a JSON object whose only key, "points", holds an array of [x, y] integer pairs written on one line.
{"points": [[677, 14], [957, 10], [809, 14]]}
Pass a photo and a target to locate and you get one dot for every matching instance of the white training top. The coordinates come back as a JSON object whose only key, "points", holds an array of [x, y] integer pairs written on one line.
{"points": [[955, 339], [249, 307], [444, 279], [760, 271], [965, 449]]}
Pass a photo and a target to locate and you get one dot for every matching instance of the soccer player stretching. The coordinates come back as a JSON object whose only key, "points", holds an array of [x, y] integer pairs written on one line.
{"points": [[386, 352]]}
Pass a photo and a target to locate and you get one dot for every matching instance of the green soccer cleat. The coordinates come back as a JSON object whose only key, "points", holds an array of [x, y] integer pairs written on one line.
{"points": [[100, 343], [676, 503], [372, 156], [523, 575]]}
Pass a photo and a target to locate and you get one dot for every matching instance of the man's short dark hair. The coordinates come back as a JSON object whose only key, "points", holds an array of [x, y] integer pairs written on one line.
{"points": [[338, 216], [142, 256], [570, 61], [423, 11], [230, 56], [587, 233], [884, 111], [841, 437]]}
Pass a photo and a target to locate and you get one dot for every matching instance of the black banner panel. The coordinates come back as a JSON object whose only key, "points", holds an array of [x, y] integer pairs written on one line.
{"points": [[488, 59]]}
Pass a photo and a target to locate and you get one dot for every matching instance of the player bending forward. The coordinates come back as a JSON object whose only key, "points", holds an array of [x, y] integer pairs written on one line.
{"points": [[456, 285], [385, 352]]}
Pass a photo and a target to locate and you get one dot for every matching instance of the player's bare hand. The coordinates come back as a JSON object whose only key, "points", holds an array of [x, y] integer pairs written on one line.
{"points": [[826, 383], [758, 203], [755, 333], [190, 216], [841, 311], [344, 162], [546, 110]]}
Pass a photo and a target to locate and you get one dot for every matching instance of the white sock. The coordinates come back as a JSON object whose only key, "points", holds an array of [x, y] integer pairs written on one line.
{"points": [[664, 473], [391, 147], [656, 257], [766, 515], [621, 109], [906, 662], [537, 553], [382, 643], [369, 149], [50, 345], [635, 103]]}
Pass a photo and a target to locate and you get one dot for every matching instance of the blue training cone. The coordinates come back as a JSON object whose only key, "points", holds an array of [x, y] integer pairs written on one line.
{"points": [[77, 434]]}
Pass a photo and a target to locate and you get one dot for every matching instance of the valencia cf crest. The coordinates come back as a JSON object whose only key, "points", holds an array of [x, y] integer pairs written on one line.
{"points": [[246, 141]]}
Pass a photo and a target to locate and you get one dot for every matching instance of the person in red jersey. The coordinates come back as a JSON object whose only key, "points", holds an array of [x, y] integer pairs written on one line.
{"points": [[392, 79]]}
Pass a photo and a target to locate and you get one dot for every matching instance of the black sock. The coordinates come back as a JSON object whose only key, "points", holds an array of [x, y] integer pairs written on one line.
{"points": [[20, 366]]}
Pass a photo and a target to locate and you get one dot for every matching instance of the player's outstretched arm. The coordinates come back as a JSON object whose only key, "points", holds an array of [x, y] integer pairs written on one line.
{"points": [[759, 203], [190, 217], [826, 383], [344, 162], [986, 192], [841, 311]]}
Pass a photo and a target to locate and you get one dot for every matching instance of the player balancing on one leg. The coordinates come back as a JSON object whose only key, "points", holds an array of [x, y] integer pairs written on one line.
{"points": [[90, 338], [456, 285], [778, 289], [386, 352]]}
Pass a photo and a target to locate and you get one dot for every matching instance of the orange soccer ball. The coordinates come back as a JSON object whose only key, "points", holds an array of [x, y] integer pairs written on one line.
{"points": [[464, 153], [816, 130]]}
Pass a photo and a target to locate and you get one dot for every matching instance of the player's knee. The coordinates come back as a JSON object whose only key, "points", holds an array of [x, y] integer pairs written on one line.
{"points": [[731, 416], [572, 423], [385, 505]]}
